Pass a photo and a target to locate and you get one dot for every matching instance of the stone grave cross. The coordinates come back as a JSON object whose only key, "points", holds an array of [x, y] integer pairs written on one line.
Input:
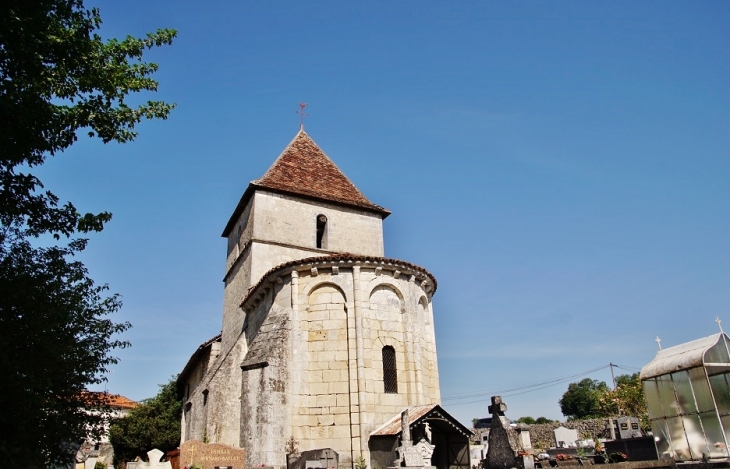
{"points": [[501, 452], [410, 455]]}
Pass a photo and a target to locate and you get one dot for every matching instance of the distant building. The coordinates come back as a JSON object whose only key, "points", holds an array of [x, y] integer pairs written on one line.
{"points": [[324, 340], [101, 450]]}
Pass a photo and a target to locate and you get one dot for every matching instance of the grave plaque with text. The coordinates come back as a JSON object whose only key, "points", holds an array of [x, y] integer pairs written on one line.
{"points": [[211, 455]]}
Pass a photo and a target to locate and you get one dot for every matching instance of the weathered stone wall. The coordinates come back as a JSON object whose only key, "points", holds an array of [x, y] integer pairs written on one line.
{"points": [[291, 221], [215, 397], [237, 278], [266, 407], [542, 435], [344, 317], [303, 357], [236, 285], [240, 235], [274, 229]]}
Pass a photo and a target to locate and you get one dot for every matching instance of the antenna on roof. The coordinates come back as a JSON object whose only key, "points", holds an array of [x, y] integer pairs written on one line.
{"points": [[302, 114], [719, 324]]}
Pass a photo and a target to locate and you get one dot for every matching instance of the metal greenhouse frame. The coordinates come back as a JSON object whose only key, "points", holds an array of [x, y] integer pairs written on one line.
{"points": [[687, 389]]}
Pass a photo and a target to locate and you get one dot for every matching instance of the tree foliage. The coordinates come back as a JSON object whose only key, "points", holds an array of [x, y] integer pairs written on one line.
{"points": [[532, 421], [581, 400], [541, 420], [58, 78], [54, 341], [627, 399], [593, 399], [155, 423]]}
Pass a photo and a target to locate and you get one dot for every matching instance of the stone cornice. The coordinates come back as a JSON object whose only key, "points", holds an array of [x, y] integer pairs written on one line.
{"points": [[398, 267]]}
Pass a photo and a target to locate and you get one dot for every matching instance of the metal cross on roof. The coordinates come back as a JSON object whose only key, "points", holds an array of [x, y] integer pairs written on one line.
{"points": [[719, 323], [302, 114], [659, 342]]}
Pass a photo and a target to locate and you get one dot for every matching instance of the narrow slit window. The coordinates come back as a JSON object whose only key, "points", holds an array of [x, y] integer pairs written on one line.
{"points": [[321, 232], [390, 373]]}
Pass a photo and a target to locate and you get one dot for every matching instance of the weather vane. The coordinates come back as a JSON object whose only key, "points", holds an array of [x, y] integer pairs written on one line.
{"points": [[719, 323], [658, 342], [302, 114]]}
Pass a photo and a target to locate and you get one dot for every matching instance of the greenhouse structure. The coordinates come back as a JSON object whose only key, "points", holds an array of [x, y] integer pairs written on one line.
{"points": [[687, 389]]}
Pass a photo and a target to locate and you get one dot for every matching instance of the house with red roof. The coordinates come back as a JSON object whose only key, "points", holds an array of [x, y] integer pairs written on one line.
{"points": [[101, 450]]}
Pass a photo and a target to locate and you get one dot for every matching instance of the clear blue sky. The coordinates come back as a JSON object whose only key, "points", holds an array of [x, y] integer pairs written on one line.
{"points": [[562, 168]]}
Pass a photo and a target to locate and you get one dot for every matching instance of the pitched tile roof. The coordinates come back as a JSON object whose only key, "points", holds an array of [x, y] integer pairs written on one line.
{"points": [[115, 401], [432, 413], [304, 169]]}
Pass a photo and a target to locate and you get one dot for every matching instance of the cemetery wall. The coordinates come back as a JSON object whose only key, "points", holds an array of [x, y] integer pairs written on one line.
{"points": [[542, 435]]}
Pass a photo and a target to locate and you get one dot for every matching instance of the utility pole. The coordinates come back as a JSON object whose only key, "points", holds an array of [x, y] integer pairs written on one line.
{"points": [[613, 378]]}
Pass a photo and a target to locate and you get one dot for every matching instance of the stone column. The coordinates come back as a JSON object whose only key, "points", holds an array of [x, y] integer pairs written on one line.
{"points": [[357, 297], [417, 347], [295, 293], [410, 359]]}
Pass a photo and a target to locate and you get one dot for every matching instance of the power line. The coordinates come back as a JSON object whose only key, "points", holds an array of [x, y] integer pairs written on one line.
{"points": [[627, 368], [520, 389]]}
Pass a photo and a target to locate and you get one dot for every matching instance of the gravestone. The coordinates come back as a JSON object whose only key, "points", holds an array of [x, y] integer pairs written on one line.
{"points": [[211, 455], [565, 437], [410, 455], [323, 458], [501, 452], [628, 427], [153, 457]]}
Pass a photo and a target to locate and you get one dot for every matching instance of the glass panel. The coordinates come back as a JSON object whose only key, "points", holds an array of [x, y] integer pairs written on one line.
{"points": [[715, 435], [653, 403], [701, 387], [661, 437], [717, 353], [725, 425], [666, 394], [684, 392], [695, 436], [720, 390], [678, 438]]}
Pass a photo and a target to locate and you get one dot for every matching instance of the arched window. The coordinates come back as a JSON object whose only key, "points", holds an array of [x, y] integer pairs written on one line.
{"points": [[321, 232], [390, 373]]}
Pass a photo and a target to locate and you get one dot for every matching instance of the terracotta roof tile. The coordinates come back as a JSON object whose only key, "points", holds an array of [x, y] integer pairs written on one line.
{"points": [[393, 426], [433, 413], [303, 168], [115, 401]]}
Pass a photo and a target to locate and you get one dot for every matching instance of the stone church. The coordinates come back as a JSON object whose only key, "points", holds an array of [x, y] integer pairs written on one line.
{"points": [[324, 340]]}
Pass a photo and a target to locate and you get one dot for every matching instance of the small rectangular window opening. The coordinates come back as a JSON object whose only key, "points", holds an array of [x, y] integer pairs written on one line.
{"points": [[390, 374], [321, 232]]}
